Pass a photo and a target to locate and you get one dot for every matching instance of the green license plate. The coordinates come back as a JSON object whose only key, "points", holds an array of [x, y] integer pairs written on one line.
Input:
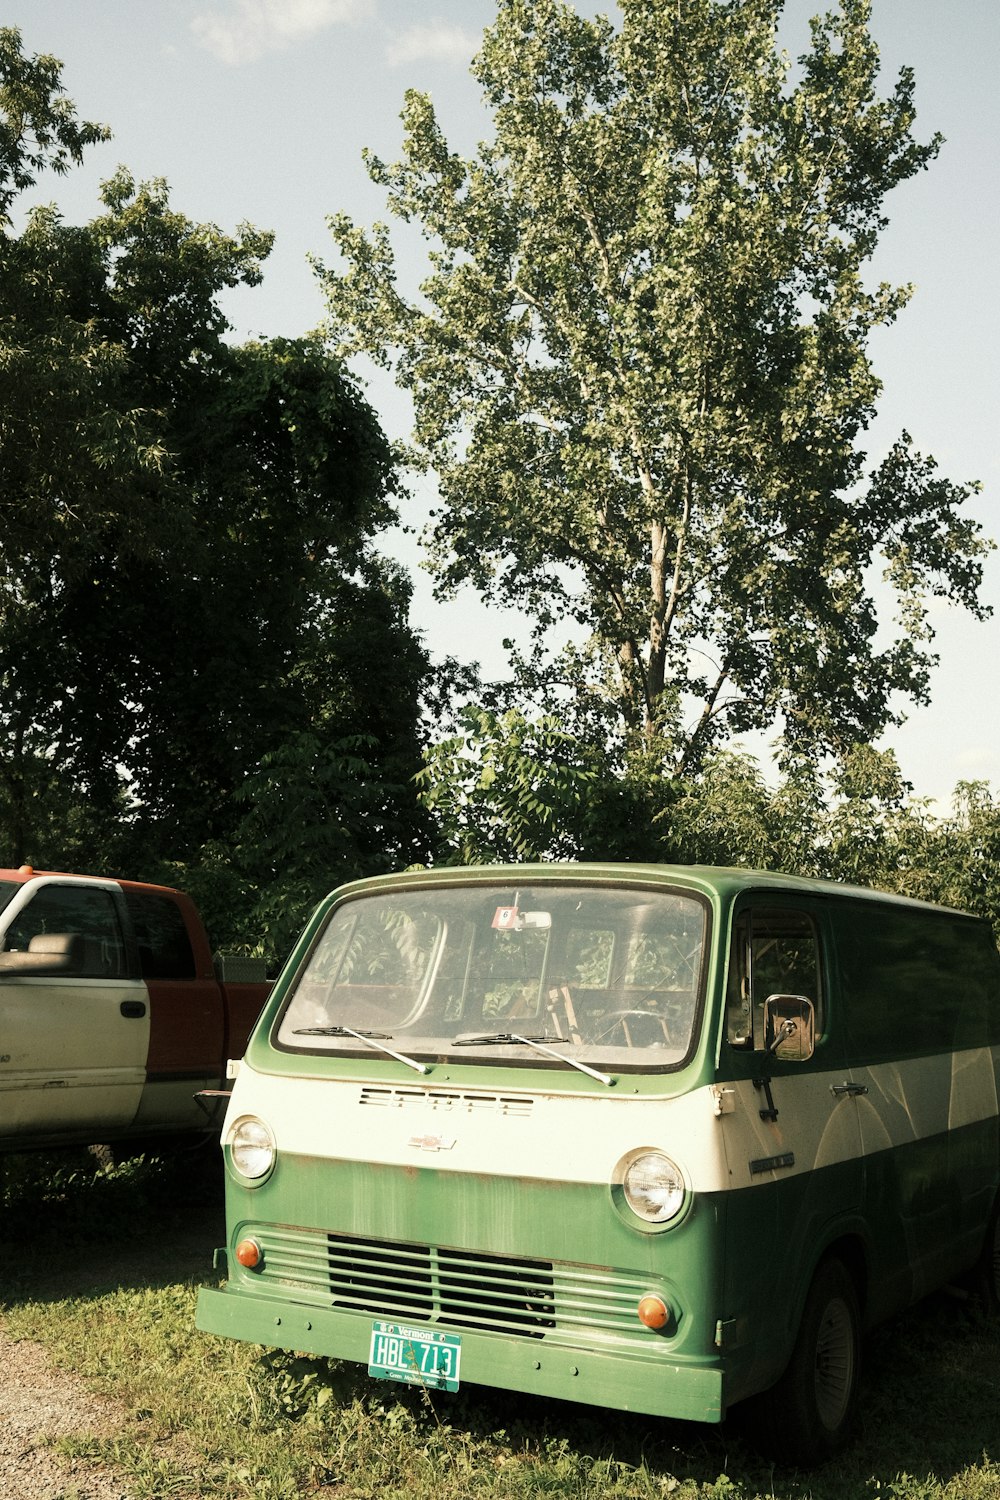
{"points": [[417, 1356]]}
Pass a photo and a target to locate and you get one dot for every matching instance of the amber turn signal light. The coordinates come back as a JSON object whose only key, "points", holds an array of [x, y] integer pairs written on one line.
{"points": [[653, 1312], [249, 1254]]}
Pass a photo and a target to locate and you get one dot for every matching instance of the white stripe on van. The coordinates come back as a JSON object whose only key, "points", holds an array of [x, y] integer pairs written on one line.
{"points": [[580, 1138]]}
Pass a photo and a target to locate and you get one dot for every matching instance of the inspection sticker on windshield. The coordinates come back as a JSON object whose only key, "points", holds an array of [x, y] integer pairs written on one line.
{"points": [[417, 1356]]}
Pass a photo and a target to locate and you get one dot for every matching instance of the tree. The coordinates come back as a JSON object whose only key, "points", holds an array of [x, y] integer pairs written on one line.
{"points": [[91, 472], [513, 785], [953, 859], [330, 793], [39, 127], [639, 368], [64, 438], [507, 788], [191, 608]]}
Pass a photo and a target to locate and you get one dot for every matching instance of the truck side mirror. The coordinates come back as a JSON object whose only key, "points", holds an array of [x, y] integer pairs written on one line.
{"points": [[52, 954], [790, 1027]]}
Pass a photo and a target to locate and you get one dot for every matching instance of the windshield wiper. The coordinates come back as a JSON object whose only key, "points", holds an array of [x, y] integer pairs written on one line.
{"points": [[504, 1038], [373, 1039], [508, 1038]]}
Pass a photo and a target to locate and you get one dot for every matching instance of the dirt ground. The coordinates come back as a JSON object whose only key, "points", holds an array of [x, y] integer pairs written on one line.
{"points": [[181, 1221], [39, 1404]]}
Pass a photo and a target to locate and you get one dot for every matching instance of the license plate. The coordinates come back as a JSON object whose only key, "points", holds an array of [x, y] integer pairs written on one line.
{"points": [[417, 1356]]}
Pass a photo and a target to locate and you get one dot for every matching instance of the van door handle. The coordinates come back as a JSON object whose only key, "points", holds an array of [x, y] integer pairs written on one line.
{"points": [[853, 1089], [133, 1010]]}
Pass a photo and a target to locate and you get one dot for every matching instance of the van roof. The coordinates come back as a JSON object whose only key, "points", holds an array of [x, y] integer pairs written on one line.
{"points": [[721, 880]]}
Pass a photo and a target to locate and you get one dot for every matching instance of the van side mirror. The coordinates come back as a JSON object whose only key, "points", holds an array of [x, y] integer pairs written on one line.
{"points": [[790, 1027], [50, 954]]}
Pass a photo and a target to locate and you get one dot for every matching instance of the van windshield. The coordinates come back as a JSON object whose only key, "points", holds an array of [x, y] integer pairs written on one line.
{"points": [[603, 976]]}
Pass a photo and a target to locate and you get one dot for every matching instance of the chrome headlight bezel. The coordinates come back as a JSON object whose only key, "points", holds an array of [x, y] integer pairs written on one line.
{"points": [[649, 1190], [251, 1150]]}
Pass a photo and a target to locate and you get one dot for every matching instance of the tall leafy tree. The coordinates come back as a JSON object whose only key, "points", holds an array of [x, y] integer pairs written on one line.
{"points": [[39, 126], [639, 367], [91, 470], [63, 444], [191, 607]]}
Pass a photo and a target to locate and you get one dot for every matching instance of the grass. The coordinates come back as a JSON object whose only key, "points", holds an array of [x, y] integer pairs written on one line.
{"points": [[102, 1267]]}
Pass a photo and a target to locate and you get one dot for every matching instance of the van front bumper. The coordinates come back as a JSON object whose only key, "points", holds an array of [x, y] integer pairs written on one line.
{"points": [[631, 1381]]}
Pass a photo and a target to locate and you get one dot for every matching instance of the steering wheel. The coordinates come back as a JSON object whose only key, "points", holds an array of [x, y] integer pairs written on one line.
{"points": [[621, 1017]]}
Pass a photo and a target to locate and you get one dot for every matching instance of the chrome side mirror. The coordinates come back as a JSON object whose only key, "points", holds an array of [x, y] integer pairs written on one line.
{"points": [[790, 1027]]}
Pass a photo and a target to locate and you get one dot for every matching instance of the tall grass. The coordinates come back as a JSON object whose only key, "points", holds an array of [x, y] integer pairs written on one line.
{"points": [[103, 1266]]}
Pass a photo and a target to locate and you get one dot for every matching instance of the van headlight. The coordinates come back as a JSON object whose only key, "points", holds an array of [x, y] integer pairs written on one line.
{"points": [[251, 1147], [652, 1186]]}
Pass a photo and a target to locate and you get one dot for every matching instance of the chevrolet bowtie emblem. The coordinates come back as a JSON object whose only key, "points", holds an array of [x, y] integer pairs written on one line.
{"points": [[432, 1142]]}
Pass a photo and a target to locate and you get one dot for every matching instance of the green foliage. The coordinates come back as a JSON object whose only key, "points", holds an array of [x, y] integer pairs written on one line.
{"points": [[509, 787], [205, 670], [506, 788], [39, 127], [639, 368], [860, 825]]}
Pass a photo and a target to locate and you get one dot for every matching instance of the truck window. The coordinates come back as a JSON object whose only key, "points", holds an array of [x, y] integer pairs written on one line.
{"points": [[87, 912], [775, 952], [162, 936]]}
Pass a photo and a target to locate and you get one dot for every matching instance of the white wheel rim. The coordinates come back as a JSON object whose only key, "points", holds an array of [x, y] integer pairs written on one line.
{"points": [[834, 1372]]}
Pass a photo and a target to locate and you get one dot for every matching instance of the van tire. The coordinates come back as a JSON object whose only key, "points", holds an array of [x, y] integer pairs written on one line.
{"points": [[809, 1414]]}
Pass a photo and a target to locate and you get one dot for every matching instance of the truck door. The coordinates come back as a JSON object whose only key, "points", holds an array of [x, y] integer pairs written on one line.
{"points": [[74, 1023], [187, 1016]]}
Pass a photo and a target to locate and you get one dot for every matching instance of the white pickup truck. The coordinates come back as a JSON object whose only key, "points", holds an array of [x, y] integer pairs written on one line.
{"points": [[113, 1013]]}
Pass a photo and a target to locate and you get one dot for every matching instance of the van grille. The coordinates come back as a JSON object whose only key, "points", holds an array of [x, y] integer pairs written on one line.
{"points": [[456, 1288], [464, 1291]]}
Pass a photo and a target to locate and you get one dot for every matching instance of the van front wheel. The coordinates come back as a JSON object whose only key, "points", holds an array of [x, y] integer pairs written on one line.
{"points": [[811, 1409]]}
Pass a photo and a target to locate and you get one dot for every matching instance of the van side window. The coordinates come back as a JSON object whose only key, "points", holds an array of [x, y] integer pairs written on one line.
{"points": [[915, 982], [89, 913], [161, 935], [775, 952]]}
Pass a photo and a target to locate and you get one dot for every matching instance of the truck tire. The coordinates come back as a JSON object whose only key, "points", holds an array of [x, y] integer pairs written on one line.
{"points": [[808, 1415]]}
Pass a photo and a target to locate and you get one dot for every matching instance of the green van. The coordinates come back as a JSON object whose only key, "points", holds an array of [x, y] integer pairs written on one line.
{"points": [[657, 1138]]}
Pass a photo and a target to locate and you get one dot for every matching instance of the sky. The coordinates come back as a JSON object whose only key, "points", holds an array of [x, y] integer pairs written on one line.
{"points": [[258, 110]]}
